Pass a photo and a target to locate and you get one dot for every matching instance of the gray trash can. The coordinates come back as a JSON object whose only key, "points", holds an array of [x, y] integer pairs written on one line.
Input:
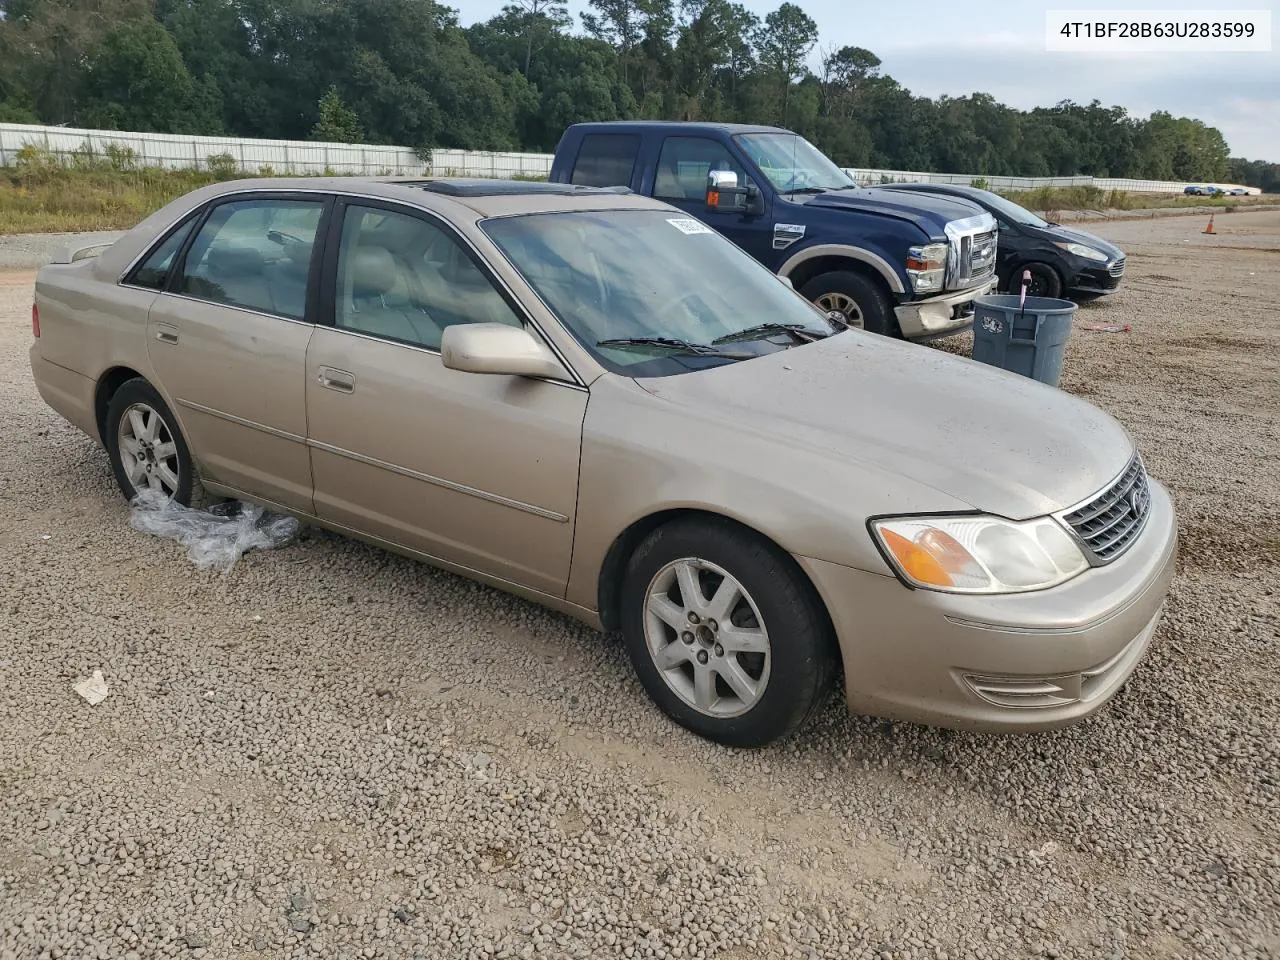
{"points": [[1030, 340]]}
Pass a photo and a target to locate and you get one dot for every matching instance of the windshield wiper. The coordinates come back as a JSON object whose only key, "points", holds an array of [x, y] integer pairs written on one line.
{"points": [[761, 330], [672, 343], [796, 190]]}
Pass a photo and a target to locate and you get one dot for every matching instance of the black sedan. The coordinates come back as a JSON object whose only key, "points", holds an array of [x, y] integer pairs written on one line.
{"points": [[1062, 261]]}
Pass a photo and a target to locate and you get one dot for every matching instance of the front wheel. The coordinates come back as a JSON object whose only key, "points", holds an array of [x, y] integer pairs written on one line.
{"points": [[853, 299], [147, 450], [1045, 280], [725, 635]]}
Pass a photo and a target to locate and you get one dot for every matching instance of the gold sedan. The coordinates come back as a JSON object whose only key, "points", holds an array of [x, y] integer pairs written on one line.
{"points": [[592, 400]]}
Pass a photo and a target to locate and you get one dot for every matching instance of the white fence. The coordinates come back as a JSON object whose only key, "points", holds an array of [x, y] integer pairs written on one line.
{"points": [[179, 152], [868, 177]]}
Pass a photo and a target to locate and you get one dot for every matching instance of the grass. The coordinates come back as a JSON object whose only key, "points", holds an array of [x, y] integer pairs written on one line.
{"points": [[1094, 198], [42, 193]]}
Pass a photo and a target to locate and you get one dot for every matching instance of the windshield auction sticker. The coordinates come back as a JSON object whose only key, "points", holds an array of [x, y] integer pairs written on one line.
{"points": [[689, 227], [1158, 31]]}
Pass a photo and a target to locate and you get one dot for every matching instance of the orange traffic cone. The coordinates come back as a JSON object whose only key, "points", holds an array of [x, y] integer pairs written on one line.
{"points": [[1209, 228]]}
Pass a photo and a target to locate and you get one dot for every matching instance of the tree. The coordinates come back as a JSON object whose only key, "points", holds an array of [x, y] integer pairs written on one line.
{"points": [[338, 123], [785, 40]]}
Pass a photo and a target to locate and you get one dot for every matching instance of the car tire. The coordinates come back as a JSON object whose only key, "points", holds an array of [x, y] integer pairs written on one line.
{"points": [[1045, 280], [146, 447], [858, 299], [753, 675]]}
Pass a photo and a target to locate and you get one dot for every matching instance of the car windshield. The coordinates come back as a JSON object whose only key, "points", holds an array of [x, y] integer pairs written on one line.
{"points": [[1011, 211], [793, 164], [651, 293]]}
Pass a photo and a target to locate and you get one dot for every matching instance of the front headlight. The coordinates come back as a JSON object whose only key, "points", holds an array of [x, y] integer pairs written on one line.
{"points": [[927, 267], [979, 554], [1080, 250]]}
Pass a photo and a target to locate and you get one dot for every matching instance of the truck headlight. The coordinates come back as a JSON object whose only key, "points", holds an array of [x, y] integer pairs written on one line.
{"points": [[979, 554], [1080, 250], [927, 267]]}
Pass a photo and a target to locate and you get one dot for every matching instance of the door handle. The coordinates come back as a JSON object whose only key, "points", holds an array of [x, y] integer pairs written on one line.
{"points": [[333, 379], [166, 334]]}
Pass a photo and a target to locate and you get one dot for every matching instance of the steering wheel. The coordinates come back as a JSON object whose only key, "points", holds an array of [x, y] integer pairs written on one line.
{"points": [[799, 180], [672, 302], [280, 237]]}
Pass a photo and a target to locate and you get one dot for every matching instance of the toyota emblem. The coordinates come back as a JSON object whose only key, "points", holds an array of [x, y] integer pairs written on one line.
{"points": [[1138, 498]]}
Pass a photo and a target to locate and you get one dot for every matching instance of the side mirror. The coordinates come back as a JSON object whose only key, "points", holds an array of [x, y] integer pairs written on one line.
{"points": [[723, 193], [498, 348]]}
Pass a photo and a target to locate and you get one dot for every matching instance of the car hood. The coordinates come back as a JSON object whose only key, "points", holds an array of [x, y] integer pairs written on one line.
{"points": [[999, 442], [929, 212], [1072, 235]]}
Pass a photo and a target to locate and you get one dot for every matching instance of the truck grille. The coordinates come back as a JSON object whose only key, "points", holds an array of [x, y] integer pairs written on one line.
{"points": [[1109, 523], [1117, 269], [979, 252]]}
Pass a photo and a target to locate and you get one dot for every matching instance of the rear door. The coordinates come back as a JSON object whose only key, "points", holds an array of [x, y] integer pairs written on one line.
{"points": [[477, 470], [684, 163], [228, 341]]}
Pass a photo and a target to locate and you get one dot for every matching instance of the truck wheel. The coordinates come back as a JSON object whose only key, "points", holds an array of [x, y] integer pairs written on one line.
{"points": [[855, 299]]}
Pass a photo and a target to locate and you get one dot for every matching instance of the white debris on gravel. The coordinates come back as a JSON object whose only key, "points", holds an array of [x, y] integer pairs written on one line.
{"points": [[217, 537], [327, 800], [93, 688]]}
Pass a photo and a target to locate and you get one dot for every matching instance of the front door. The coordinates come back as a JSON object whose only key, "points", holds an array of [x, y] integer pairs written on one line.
{"points": [[681, 180], [477, 470], [228, 342]]}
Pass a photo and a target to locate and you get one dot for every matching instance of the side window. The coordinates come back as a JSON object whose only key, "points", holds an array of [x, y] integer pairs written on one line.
{"points": [[606, 160], [684, 164], [402, 278], [254, 254], [151, 273]]}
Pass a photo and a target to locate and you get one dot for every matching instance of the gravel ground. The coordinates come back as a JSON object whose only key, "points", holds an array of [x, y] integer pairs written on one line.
{"points": [[333, 752]]}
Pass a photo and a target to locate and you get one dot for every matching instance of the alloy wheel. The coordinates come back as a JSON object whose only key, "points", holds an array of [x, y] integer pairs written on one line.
{"points": [[706, 637], [148, 452], [844, 306]]}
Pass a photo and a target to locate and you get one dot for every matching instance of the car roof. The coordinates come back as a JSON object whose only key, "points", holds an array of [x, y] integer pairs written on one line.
{"points": [[454, 196], [683, 126]]}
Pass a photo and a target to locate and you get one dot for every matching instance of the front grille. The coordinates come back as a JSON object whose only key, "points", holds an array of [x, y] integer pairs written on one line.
{"points": [[1109, 523], [977, 258], [1117, 269]]}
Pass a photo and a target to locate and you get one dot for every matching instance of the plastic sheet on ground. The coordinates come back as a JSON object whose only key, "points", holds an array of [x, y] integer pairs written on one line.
{"points": [[215, 538]]}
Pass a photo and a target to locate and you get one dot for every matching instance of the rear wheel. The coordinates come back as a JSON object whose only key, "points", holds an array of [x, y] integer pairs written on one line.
{"points": [[147, 450], [854, 299], [724, 633]]}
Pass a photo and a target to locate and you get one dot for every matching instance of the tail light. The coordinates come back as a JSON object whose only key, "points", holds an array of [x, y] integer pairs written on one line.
{"points": [[35, 321]]}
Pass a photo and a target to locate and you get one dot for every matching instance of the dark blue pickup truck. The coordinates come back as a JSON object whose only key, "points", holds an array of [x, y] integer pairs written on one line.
{"points": [[900, 264]]}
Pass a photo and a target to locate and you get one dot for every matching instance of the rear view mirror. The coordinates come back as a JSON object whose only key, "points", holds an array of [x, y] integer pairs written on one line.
{"points": [[498, 348], [723, 193]]}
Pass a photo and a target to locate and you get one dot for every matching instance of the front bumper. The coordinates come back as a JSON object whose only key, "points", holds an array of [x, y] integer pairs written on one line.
{"points": [[1023, 662], [1094, 278], [940, 316]]}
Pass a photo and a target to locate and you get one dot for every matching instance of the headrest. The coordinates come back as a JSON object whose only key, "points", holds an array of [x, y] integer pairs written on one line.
{"points": [[226, 260], [374, 272]]}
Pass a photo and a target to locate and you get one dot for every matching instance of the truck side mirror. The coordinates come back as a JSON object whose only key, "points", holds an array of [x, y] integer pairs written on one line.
{"points": [[723, 193]]}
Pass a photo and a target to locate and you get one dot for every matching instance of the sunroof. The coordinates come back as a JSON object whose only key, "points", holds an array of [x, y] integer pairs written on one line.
{"points": [[480, 187]]}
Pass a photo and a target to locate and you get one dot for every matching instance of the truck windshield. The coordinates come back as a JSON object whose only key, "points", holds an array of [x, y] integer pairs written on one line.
{"points": [[650, 293], [793, 164]]}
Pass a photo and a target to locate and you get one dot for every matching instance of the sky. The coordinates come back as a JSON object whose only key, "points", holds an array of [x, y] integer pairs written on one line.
{"points": [[958, 47]]}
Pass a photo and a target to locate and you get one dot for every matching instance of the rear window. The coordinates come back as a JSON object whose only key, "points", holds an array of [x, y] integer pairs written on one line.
{"points": [[606, 160]]}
